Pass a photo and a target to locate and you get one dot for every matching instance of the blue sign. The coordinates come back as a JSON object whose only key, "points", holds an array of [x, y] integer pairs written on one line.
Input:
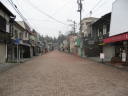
{"points": [[17, 41]]}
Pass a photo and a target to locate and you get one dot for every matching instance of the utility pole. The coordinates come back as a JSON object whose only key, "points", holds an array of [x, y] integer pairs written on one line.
{"points": [[79, 2], [73, 25]]}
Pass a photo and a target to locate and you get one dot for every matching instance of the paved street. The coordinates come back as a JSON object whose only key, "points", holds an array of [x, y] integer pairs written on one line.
{"points": [[61, 74]]}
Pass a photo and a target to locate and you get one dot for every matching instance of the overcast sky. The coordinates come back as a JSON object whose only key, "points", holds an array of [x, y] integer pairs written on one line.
{"points": [[62, 10]]}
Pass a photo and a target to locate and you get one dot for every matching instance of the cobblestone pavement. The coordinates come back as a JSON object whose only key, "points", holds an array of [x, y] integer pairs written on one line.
{"points": [[60, 74]]}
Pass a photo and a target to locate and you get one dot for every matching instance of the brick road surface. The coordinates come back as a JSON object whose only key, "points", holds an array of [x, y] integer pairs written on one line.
{"points": [[61, 74]]}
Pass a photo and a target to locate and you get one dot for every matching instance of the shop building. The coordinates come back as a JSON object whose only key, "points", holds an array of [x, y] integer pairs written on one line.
{"points": [[94, 42], [6, 22], [118, 36]]}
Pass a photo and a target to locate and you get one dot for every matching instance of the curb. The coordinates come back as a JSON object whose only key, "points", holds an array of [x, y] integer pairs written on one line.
{"points": [[7, 66]]}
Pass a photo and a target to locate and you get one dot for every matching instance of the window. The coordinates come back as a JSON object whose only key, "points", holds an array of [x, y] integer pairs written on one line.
{"points": [[98, 33], [21, 35], [16, 34], [2, 23], [104, 30], [26, 34]]}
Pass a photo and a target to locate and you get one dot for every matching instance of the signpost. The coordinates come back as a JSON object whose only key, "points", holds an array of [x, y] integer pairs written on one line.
{"points": [[17, 42]]}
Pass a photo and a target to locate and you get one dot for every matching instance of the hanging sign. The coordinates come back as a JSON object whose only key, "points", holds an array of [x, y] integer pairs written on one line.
{"points": [[17, 41]]}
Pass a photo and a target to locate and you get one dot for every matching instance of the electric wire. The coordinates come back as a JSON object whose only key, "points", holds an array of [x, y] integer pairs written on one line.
{"points": [[19, 13], [101, 11], [29, 21], [60, 9], [85, 6], [15, 8], [44, 13], [98, 5], [95, 6]]}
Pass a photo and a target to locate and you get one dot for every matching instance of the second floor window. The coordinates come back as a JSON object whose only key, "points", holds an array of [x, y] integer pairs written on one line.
{"points": [[104, 30], [26, 35], [98, 32], [21, 35], [2, 24], [16, 34]]}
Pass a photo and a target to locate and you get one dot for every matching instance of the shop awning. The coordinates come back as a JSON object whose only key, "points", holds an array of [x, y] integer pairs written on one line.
{"points": [[116, 38]]}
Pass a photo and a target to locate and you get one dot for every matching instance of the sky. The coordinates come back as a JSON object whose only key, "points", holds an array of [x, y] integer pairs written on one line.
{"points": [[49, 17]]}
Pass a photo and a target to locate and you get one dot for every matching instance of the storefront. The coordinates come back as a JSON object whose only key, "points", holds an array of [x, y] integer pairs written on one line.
{"points": [[120, 42]]}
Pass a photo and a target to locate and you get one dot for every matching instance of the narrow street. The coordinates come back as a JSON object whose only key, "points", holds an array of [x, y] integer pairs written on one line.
{"points": [[61, 74]]}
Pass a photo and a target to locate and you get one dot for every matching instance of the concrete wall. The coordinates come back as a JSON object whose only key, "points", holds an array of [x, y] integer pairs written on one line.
{"points": [[2, 53], [119, 23], [109, 52]]}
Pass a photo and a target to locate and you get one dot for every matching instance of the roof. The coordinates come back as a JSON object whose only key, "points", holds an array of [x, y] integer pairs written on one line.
{"points": [[27, 27], [103, 17], [5, 9], [89, 19], [20, 24]]}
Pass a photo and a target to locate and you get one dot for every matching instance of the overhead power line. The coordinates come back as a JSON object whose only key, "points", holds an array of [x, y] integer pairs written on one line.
{"points": [[24, 18], [44, 13], [95, 6], [101, 6], [16, 9], [84, 4], [20, 14], [60, 9], [98, 5]]}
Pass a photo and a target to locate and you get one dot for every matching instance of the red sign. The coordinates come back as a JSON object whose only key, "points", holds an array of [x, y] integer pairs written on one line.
{"points": [[116, 38]]}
